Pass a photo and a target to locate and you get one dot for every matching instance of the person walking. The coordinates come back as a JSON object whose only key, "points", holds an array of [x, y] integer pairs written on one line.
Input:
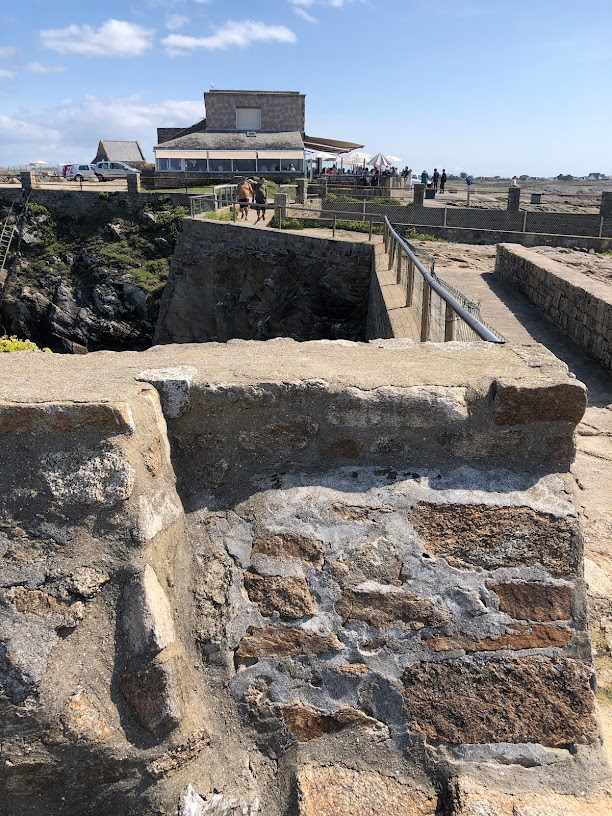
{"points": [[261, 198], [443, 180], [244, 195], [436, 179]]}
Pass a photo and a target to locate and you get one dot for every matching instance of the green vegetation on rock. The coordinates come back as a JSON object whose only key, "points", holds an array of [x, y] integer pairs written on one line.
{"points": [[8, 344]]}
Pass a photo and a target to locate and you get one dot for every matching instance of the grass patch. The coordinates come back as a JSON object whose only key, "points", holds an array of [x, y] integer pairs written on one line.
{"points": [[420, 236], [152, 275], [9, 344], [222, 215]]}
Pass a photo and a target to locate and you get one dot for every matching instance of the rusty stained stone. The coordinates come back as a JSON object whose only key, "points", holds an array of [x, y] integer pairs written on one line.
{"points": [[469, 798], [335, 790], [307, 723], [532, 601], [523, 699], [382, 609], [292, 545], [491, 537], [277, 641], [153, 457], [518, 405], [518, 636], [153, 693], [290, 597]]}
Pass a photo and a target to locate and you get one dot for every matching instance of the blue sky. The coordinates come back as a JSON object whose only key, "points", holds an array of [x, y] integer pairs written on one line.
{"points": [[485, 86]]}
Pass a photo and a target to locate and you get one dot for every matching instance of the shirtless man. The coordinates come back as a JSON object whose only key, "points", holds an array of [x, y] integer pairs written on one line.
{"points": [[244, 194]]}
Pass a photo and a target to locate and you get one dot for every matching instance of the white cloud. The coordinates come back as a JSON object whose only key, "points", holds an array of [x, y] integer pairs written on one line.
{"points": [[70, 131], [114, 38], [305, 15], [7, 51], [176, 21], [39, 68], [4, 74], [234, 34]]}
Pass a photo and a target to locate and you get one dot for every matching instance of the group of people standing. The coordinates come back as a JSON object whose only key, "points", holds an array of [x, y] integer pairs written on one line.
{"points": [[252, 192], [437, 180]]}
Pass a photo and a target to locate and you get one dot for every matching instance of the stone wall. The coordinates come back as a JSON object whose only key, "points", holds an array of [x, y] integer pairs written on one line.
{"points": [[228, 281], [279, 111], [86, 201], [578, 304], [293, 577]]}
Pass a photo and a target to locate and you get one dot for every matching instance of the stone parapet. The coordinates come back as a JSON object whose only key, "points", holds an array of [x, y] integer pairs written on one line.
{"points": [[578, 304]]}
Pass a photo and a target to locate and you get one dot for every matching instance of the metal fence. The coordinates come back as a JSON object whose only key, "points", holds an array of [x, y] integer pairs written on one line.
{"points": [[437, 312]]}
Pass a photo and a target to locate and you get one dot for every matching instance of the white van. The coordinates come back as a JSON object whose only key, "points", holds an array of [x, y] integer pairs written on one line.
{"points": [[79, 172], [113, 170]]}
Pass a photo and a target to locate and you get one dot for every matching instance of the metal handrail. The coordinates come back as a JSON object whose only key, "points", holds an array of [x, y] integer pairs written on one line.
{"points": [[474, 324]]}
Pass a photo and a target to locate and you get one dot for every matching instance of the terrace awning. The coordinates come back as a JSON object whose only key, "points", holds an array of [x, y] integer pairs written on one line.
{"points": [[334, 146]]}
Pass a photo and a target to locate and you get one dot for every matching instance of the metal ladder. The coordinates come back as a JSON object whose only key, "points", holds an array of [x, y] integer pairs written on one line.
{"points": [[6, 236]]}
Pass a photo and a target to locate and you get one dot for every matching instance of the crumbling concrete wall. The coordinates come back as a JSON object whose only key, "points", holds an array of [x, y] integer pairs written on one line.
{"points": [[579, 305], [228, 282], [364, 590]]}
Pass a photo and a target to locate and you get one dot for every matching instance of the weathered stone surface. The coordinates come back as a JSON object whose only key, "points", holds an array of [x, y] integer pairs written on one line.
{"points": [[180, 755], [88, 477], [154, 694], [335, 790], [83, 720], [290, 597], [498, 536], [192, 804], [146, 615], [280, 435], [469, 798], [26, 641], [516, 405], [291, 545], [307, 723], [517, 636], [535, 602], [527, 699], [65, 417], [173, 384], [38, 602], [284, 640], [155, 513], [86, 582], [383, 606]]}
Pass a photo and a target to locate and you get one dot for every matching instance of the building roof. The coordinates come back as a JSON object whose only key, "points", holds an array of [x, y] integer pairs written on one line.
{"points": [[329, 145], [121, 151], [231, 140]]}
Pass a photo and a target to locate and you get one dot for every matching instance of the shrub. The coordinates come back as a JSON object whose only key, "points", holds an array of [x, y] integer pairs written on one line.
{"points": [[13, 343]]}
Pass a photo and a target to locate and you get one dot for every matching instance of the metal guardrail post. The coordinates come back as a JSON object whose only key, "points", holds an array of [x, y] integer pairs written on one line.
{"points": [[425, 311], [398, 271], [525, 222], [445, 209], [601, 227], [449, 324], [364, 210], [410, 282], [372, 222], [334, 227]]}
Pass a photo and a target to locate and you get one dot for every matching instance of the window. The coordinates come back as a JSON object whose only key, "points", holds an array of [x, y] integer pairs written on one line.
{"points": [[83, 167], [244, 166], [220, 165], [175, 165], [292, 165], [248, 118], [268, 165], [196, 165]]}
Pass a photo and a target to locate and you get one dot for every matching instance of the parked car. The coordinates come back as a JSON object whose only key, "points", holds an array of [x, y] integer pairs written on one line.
{"points": [[113, 170], [79, 172]]}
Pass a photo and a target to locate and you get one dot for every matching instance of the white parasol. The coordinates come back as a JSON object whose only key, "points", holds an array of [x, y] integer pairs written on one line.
{"points": [[380, 160]]}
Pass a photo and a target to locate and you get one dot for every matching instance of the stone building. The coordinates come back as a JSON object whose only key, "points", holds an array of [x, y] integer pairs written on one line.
{"points": [[244, 132], [121, 151]]}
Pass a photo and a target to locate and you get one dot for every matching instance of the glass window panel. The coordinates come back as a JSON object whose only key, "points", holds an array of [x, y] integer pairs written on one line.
{"points": [[244, 166], [220, 165], [196, 165], [162, 164], [292, 165], [268, 165]]}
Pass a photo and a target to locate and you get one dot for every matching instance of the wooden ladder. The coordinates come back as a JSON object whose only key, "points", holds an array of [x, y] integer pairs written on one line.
{"points": [[6, 236]]}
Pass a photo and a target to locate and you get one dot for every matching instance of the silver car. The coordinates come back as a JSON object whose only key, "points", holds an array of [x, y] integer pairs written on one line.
{"points": [[106, 170], [79, 172]]}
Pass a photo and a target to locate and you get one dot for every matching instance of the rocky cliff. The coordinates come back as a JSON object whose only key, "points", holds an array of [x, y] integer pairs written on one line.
{"points": [[91, 279], [294, 578]]}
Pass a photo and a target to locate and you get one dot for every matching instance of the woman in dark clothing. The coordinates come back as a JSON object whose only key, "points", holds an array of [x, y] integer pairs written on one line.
{"points": [[261, 198]]}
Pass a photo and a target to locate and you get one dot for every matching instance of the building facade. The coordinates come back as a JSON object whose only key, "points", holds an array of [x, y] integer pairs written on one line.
{"points": [[243, 133]]}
